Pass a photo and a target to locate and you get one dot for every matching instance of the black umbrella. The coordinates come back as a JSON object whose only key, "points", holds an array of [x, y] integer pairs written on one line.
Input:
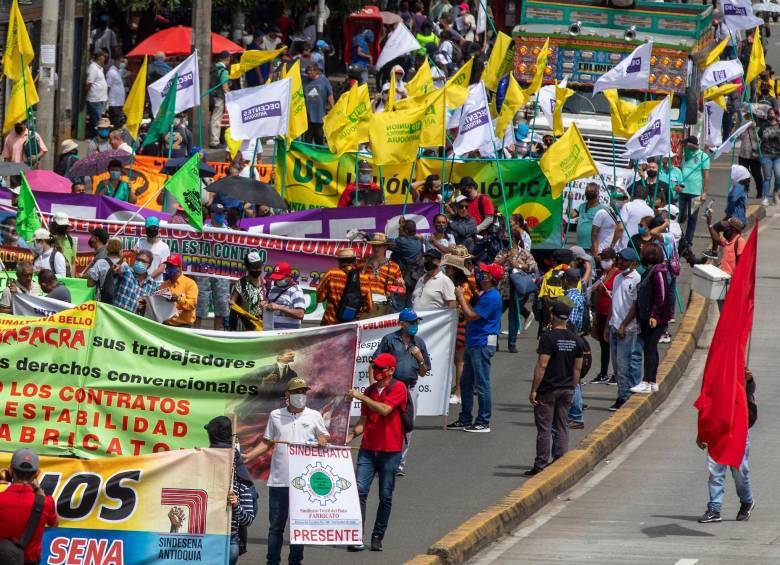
{"points": [[248, 190], [173, 165], [11, 169]]}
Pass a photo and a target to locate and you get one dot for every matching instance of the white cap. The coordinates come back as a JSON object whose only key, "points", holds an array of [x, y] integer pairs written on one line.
{"points": [[459, 199], [61, 219], [739, 173], [42, 233], [674, 211]]}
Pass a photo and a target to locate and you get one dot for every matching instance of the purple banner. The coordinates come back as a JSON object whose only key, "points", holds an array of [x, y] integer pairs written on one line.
{"points": [[87, 206]]}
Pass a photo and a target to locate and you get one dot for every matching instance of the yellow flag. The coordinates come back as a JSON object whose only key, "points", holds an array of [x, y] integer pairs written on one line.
{"points": [[457, 87], [422, 81], [391, 94], [396, 136], [17, 46], [566, 160], [541, 64], [491, 76], [714, 55], [757, 64], [251, 59], [335, 117], [298, 122], [134, 104], [561, 95], [354, 130], [16, 109], [435, 118], [514, 99], [718, 91], [627, 118], [233, 145]]}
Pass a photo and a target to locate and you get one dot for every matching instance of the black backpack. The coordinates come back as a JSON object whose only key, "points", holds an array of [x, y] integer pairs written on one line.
{"points": [[51, 262], [107, 288], [351, 299], [407, 416], [16, 550]]}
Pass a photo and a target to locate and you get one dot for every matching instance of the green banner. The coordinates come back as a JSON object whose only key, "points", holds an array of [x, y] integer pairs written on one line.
{"points": [[79, 291], [96, 380]]}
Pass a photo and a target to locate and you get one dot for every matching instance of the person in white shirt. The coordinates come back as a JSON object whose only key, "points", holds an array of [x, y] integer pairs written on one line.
{"points": [[607, 230], [633, 212], [116, 94], [434, 290], [48, 257], [623, 328], [293, 424], [24, 284], [97, 91], [117, 142]]}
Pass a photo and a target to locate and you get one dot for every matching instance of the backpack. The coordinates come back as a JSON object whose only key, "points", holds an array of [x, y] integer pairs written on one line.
{"points": [[51, 262], [106, 290], [407, 416], [16, 550], [643, 296], [351, 301]]}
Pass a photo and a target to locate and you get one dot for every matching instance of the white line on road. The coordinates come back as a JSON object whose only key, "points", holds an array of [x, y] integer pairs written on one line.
{"points": [[687, 562]]}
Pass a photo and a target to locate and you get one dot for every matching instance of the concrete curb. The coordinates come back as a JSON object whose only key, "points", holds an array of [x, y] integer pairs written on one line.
{"points": [[491, 523]]}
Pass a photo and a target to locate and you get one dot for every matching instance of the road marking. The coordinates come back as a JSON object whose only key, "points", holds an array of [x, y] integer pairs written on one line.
{"points": [[687, 562]]}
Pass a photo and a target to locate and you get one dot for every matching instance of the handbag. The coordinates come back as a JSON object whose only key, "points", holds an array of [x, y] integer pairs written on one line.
{"points": [[523, 283]]}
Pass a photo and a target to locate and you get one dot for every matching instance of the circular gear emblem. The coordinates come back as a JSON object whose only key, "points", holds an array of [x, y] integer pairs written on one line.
{"points": [[320, 483]]}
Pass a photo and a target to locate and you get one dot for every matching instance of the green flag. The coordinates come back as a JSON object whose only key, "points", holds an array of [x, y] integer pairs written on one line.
{"points": [[165, 115], [26, 212], [184, 185]]}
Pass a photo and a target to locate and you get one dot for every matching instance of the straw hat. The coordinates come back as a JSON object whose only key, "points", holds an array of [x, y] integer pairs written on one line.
{"points": [[104, 123], [346, 253], [460, 251], [378, 238], [456, 262], [68, 145]]}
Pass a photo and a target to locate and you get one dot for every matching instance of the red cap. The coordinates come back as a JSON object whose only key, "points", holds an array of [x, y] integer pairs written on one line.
{"points": [[281, 271], [384, 360], [174, 259], [495, 270]]}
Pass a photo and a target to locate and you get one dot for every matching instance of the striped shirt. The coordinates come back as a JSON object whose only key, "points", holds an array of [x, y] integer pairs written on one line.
{"points": [[385, 279], [244, 513], [330, 289], [289, 297]]}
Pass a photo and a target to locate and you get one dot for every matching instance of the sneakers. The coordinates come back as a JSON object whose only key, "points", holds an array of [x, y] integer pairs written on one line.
{"points": [[532, 471], [478, 429], [642, 388], [573, 425], [400, 472], [600, 379], [356, 548], [528, 321], [376, 544], [745, 510], [666, 338], [512, 349], [654, 387], [457, 425], [616, 406], [765, 202], [712, 255], [612, 380], [454, 399], [709, 517]]}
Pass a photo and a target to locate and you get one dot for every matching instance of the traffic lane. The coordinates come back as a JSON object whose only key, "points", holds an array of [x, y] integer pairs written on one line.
{"points": [[645, 501]]}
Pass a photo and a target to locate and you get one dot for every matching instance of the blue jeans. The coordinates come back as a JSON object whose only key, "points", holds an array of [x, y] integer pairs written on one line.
{"points": [[384, 464], [635, 365], [94, 111], [234, 549], [718, 477], [686, 215], [278, 508], [770, 165], [575, 411], [622, 350], [476, 372], [515, 305]]}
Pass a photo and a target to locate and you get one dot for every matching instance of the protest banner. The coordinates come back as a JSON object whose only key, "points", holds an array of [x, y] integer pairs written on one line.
{"points": [[576, 188], [36, 306], [324, 503], [138, 510], [437, 329], [96, 380], [79, 291]]}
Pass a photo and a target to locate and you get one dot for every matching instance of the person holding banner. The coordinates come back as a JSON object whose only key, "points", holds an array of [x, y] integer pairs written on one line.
{"points": [[24, 283], [133, 283], [249, 291], [47, 257], [183, 291], [285, 302], [295, 424], [154, 245], [52, 286]]}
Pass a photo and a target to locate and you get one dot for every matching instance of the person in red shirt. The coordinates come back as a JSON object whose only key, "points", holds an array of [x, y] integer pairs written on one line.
{"points": [[16, 506], [382, 443], [601, 296], [368, 192], [480, 206]]}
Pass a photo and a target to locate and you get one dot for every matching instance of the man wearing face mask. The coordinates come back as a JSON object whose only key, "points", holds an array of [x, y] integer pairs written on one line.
{"points": [[368, 192], [585, 213], [696, 175], [607, 230], [462, 225], [100, 142], [46, 256], [183, 291], [388, 290], [412, 362], [650, 180], [13, 145], [341, 283], [23, 284], [133, 282], [623, 328], [293, 424], [285, 303], [156, 246], [434, 290]]}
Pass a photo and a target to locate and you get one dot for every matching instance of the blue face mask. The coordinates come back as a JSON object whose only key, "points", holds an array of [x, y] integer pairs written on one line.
{"points": [[478, 276], [218, 219], [642, 230], [412, 329], [115, 175], [169, 273], [139, 268], [103, 132]]}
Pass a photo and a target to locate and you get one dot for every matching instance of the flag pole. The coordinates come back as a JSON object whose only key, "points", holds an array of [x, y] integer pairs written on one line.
{"points": [[409, 186], [533, 121], [138, 210], [503, 193], [254, 157], [29, 115]]}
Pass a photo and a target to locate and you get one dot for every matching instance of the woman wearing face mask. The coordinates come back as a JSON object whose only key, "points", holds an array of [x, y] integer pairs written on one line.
{"points": [[285, 303], [428, 190], [440, 238], [249, 292], [601, 296], [114, 186], [648, 231], [518, 284], [47, 257]]}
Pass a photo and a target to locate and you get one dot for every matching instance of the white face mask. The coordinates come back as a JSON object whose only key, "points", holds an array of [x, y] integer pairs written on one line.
{"points": [[298, 401], [606, 265]]}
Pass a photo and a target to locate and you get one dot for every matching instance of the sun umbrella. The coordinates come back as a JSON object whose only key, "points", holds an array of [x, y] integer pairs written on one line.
{"points": [[48, 181], [11, 169], [248, 190], [389, 18], [97, 163], [173, 165], [177, 41]]}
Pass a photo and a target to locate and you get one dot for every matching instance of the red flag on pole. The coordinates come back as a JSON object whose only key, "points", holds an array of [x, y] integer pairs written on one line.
{"points": [[722, 404]]}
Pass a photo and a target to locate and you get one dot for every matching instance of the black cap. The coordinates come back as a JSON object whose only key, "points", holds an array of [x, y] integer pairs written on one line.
{"points": [[223, 55], [101, 234], [692, 139], [572, 275], [220, 430], [561, 308], [563, 255], [434, 253]]}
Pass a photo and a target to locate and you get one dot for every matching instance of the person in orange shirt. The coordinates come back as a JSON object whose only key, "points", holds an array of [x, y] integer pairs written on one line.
{"points": [[384, 276], [184, 292], [340, 282]]}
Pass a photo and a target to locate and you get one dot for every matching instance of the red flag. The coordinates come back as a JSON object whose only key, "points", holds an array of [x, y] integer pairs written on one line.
{"points": [[722, 404]]}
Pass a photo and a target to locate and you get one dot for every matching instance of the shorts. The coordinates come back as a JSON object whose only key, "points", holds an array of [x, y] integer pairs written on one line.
{"points": [[215, 292]]}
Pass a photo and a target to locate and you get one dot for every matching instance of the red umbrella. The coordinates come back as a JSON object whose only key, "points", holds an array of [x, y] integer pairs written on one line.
{"points": [[177, 41], [48, 181]]}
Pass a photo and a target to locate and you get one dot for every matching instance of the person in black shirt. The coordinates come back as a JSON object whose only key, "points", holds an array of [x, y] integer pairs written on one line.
{"points": [[557, 373]]}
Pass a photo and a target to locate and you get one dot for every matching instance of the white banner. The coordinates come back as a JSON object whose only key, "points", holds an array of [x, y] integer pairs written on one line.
{"points": [[259, 111], [37, 306], [475, 129], [324, 503], [399, 42], [738, 15], [720, 72], [654, 138], [577, 187], [438, 330], [713, 124], [481, 17], [632, 73], [187, 87], [727, 145], [547, 102]]}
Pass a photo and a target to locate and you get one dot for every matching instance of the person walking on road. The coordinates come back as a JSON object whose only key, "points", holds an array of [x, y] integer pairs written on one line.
{"points": [[623, 328], [695, 185], [382, 429], [741, 474], [556, 375]]}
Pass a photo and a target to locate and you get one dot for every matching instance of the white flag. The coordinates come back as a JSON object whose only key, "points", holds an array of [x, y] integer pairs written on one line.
{"points": [[632, 73], [481, 17], [399, 42], [738, 15], [713, 124], [187, 88], [259, 111], [730, 141], [654, 138], [475, 129], [547, 102], [720, 72]]}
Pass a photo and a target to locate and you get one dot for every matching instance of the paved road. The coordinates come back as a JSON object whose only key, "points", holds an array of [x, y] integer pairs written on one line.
{"points": [[642, 505]]}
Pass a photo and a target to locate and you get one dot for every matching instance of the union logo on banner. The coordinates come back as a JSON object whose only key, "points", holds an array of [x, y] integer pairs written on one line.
{"points": [[635, 65], [652, 132]]}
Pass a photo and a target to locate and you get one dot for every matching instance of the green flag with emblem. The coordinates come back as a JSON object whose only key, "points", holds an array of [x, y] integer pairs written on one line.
{"points": [[27, 220], [184, 185]]}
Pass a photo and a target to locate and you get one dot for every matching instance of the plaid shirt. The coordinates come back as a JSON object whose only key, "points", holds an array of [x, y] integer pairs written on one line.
{"points": [[127, 290], [578, 311]]}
